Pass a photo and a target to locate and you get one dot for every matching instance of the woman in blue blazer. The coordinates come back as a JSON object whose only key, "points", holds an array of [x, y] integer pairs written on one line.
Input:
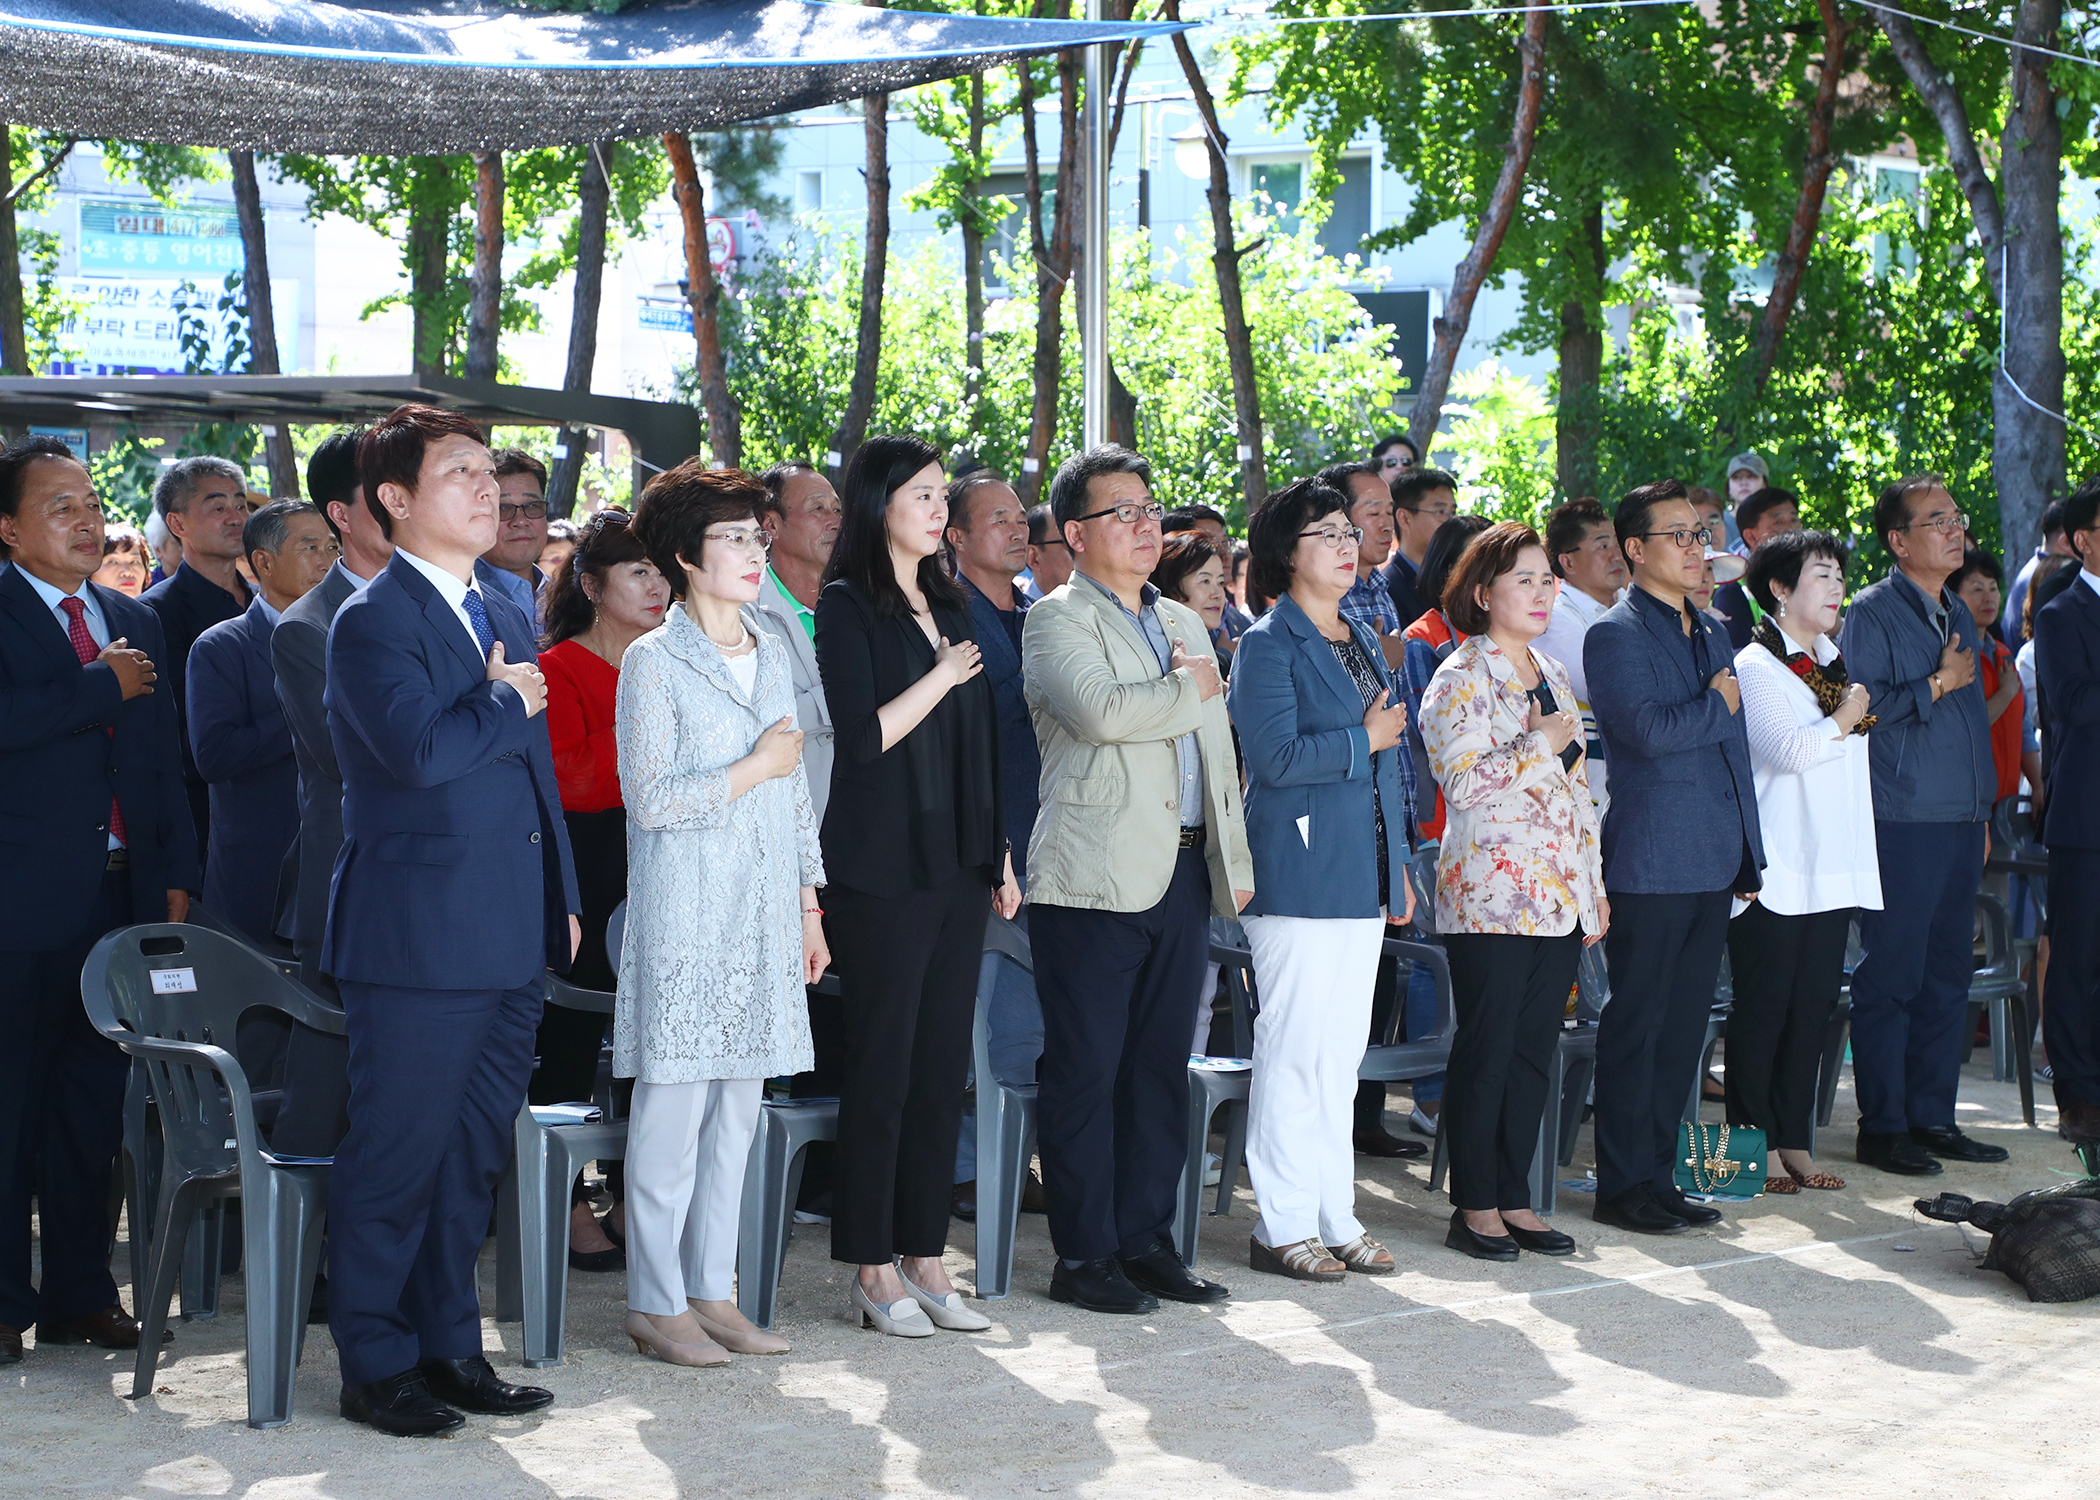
{"points": [[1319, 718]]}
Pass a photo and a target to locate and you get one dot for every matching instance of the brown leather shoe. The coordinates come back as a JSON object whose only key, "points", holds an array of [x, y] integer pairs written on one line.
{"points": [[10, 1345], [111, 1328], [2078, 1123]]}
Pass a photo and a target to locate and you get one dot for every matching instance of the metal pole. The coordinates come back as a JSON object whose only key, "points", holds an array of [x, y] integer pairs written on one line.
{"points": [[1093, 303]]}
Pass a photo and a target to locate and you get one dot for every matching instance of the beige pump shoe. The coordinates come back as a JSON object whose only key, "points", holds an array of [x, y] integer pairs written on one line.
{"points": [[744, 1340], [676, 1340]]}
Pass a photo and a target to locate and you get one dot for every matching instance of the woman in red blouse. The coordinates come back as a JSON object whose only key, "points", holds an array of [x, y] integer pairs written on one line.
{"points": [[607, 596]]}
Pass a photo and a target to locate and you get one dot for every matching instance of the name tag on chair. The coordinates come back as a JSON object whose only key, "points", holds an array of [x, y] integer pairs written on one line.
{"points": [[174, 981]]}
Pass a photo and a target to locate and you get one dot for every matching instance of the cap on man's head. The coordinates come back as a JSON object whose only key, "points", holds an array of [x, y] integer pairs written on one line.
{"points": [[1749, 461], [1728, 568]]}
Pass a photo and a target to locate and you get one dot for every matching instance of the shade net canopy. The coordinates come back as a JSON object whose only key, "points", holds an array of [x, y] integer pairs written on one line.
{"points": [[426, 77]]}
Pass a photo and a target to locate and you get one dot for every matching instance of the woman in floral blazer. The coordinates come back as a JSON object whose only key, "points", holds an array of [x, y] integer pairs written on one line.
{"points": [[1520, 883]]}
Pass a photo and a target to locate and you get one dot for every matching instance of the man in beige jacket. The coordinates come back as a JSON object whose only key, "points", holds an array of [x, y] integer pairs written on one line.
{"points": [[1140, 839]]}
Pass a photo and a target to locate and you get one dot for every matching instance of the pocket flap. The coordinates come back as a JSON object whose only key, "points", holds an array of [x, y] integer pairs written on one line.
{"points": [[423, 848], [1091, 791]]}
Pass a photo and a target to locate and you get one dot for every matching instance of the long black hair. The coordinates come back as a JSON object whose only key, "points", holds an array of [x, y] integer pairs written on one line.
{"points": [[881, 466], [602, 543]]}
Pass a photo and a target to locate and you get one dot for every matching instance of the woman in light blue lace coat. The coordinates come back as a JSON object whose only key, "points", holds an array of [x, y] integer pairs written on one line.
{"points": [[722, 922]]}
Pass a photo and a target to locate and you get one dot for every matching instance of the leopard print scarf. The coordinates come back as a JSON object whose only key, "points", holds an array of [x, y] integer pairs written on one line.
{"points": [[1828, 681]]}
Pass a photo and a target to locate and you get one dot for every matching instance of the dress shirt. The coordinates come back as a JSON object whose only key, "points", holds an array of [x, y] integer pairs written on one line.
{"points": [[97, 627], [521, 593], [2089, 579], [357, 585], [1186, 752], [453, 590], [1369, 603]]}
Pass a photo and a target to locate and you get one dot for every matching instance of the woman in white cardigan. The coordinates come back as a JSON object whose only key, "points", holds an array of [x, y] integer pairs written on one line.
{"points": [[723, 927], [1815, 800]]}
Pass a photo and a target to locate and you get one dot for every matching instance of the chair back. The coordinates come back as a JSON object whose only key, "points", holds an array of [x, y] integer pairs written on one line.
{"points": [[1421, 874], [1430, 956], [1592, 980], [2000, 960], [572, 997], [1240, 985], [615, 936], [1003, 941]]}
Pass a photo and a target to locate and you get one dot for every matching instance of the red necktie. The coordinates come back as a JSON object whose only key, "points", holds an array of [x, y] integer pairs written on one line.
{"points": [[85, 648]]}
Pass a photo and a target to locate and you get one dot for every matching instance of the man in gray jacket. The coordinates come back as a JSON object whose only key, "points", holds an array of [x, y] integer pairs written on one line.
{"points": [[1912, 644]]}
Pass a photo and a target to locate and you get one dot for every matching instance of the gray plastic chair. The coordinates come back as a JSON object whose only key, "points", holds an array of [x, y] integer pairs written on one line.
{"points": [[532, 1206], [1214, 1084], [1998, 987], [172, 997], [772, 1179], [1005, 1122]]}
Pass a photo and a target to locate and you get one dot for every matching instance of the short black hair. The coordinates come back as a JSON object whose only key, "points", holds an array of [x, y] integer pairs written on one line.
{"points": [[1445, 549], [1389, 440], [878, 469], [391, 450], [1337, 476], [1272, 531], [1754, 508], [267, 528], [1892, 505], [1781, 559], [959, 492], [775, 481], [1042, 529], [679, 505], [1409, 488], [514, 461], [1569, 524], [2081, 512], [1975, 560], [1631, 520], [2048, 582], [331, 474], [15, 462], [1068, 486], [1184, 553], [1190, 517], [178, 481], [2052, 519]]}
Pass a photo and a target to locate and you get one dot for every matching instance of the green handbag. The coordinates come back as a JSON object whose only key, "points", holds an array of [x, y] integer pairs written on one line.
{"points": [[1727, 1159]]}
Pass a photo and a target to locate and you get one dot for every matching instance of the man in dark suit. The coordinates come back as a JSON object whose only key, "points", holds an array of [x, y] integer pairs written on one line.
{"points": [[1680, 836], [238, 734], [453, 892], [1758, 519], [2067, 672], [94, 834], [204, 504]]}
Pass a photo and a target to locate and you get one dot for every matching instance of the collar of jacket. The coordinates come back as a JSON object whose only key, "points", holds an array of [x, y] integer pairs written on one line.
{"points": [[1292, 618], [684, 639]]}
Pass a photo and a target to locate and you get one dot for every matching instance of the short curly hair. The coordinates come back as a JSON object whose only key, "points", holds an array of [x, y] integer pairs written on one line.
{"points": [[1272, 531], [679, 505], [1780, 560], [1486, 558]]}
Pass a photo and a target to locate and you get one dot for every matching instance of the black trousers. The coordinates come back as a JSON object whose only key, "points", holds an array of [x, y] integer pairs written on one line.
{"points": [[1112, 1110], [1511, 993], [907, 985], [61, 1124], [2071, 1005], [1787, 974], [1665, 955]]}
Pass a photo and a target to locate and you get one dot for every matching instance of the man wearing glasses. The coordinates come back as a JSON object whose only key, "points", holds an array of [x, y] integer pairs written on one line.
{"points": [[1912, 644], [521, 530], [1423, 500], [1139, 842], [1681, 836]]}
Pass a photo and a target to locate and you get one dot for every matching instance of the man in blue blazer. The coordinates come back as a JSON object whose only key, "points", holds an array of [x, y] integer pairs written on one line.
{"points": [[453, 892], [95, 833], [2067, 672], [1680, 837], [238, 735]]}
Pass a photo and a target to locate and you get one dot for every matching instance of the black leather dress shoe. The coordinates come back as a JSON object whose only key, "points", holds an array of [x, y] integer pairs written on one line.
{"points": [[962, 1201], [111, 1328], [1637, 1210], [1099, 1286], [10, 1345], [472, 1385], [2078, 1122], [400, 1405], [1161, 1272], [1896, 1153], [1695, 1214], [1468, 1241], [1541, 1241], [1381, 1142], [597, 1260], [1949, 1142]]}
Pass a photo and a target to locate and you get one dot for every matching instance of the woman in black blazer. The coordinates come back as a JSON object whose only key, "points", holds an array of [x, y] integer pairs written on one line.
{"points": [[915, 851]]}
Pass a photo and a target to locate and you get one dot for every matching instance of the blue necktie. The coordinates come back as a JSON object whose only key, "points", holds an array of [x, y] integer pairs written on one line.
{"points": [[478, 614]]}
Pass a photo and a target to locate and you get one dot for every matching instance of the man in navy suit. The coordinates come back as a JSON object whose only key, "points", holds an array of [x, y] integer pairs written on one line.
{"points": [[238, 735], [2067, 672], [1680, 836], [453, 892], [95, 833]]}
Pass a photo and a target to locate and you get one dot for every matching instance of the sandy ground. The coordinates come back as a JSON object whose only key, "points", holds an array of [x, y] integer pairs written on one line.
{"points": [[1830, 1341]]}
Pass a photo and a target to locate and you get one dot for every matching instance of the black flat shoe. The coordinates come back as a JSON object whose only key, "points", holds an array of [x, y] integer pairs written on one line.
{"points": [[1674, 1201], [1949, 1142], [597, 1260], [1099, 1286], [1468, 1241], [1383, 1143], [1160, 1272], [473, 1385], [1541, 1241], [611, 1231], [1896, 1153], [401, 1406], [1637, 1210]]}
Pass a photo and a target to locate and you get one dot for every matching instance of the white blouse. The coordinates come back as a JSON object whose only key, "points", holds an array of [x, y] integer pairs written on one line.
{"points": [[1815, 792]]}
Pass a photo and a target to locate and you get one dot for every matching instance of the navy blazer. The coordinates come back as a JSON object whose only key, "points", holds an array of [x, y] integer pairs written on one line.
{"points": [[299, 653], [2067, 676], [188, 604], [1683, 805], [60, 766], [1020, 756], [455, 871], [243, 749], [1310, 770]]}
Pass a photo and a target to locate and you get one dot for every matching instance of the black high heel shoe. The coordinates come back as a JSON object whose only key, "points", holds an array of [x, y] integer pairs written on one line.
{"points": [[1463, 1238]]}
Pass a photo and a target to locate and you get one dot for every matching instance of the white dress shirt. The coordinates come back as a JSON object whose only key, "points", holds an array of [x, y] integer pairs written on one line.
{"points": [[453, 590], [53, 597]]}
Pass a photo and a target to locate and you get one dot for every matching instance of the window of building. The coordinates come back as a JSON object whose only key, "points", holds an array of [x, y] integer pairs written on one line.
{"points": [[1007, 236], [809, 191], [1284, 181]]}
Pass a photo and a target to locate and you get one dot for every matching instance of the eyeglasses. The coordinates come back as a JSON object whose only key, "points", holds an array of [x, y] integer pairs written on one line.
{"points": [[1683, 538], [741, 540], [1945, 525], [531, 510], [1335, 536], [1128, 514]]}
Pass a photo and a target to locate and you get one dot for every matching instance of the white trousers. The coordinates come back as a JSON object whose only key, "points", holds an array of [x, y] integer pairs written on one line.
{"points": [[1315, 975], [687, 1144]]}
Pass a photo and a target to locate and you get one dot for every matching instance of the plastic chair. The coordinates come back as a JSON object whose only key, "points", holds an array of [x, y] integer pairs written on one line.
{"points": [[1005, 1121], [172, 997], [1217, 1083], [532, 1206], [1835, 1032], [786, 1128], [1998, 987]]}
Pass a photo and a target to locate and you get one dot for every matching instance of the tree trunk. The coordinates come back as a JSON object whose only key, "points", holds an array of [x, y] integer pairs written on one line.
{"points": [[703, 294], [1225, 258], [14, 332], [262, 316], [593, 194], [427, 251], [1581, 365], [1944, 100], [1808, 204], [485, 305], [867, 343], [1501, 207]]}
